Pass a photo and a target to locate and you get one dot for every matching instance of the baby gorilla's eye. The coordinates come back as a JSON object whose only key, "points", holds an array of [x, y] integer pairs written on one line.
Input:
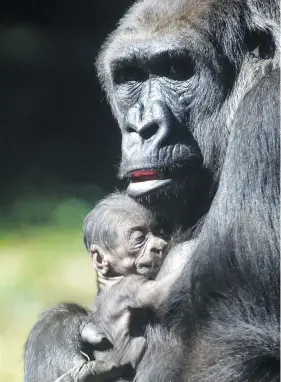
{"points": [[137, 238]]}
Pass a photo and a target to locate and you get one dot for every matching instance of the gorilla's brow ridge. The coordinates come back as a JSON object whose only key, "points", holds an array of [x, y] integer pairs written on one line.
{"points": [[140, 59]]}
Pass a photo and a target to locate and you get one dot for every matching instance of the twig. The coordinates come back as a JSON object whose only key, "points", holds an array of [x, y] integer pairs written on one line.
{"points": [[68, 372], [78, 367]]}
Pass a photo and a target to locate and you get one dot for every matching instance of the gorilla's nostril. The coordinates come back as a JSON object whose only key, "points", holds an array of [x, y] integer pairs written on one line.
{"points": [[149, 131], [130, 129]]}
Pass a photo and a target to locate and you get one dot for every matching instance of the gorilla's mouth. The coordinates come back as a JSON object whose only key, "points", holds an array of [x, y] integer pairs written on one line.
{"points": [[146, 181], [145, 175]]}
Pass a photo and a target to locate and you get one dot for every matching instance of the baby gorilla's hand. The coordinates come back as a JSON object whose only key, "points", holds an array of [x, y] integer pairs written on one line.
{"points": [[122, 324]]}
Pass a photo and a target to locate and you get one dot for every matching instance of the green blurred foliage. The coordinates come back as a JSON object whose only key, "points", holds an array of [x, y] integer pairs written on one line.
{"points": [[43, 261]]}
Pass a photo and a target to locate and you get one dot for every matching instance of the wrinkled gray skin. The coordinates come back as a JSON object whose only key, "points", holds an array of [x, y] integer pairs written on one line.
{"points": [[194, 88], [123, 238]]}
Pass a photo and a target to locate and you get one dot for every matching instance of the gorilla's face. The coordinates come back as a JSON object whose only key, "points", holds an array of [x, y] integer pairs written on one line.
{"points": [[163, 91]]}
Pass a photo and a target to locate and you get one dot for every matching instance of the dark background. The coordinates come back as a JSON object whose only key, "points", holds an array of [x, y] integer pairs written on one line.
{"points": [[59, 148], [57, 132]]}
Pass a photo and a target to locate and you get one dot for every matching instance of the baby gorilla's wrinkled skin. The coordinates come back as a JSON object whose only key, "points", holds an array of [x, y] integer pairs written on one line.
{"points": [[125, 243], [123, 238], [128, 251], [138, 252]]}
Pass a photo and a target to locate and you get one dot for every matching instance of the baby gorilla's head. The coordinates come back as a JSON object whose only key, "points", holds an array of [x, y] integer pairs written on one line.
{"points": [[124, 238]]}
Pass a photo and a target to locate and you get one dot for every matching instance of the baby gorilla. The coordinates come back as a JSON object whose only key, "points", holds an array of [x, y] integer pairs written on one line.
{"points": [[124, 238], [128, 245]]}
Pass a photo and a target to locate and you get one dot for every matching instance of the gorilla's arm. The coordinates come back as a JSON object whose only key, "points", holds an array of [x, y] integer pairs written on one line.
{"points": [[232, 279], [227, 298], [154, 293], [55, 343]]}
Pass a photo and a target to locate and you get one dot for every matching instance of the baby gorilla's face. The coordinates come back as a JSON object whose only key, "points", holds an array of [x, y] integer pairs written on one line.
{"points": [[140, 248]]}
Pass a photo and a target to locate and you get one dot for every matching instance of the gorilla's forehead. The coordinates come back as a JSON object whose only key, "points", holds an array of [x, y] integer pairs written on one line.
{"points": [[146, 46], [160, 15], [152, 27], [161, 41]]}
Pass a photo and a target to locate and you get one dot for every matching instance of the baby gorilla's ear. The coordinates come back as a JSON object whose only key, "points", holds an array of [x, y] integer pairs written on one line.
{"points": [[99, 259]]}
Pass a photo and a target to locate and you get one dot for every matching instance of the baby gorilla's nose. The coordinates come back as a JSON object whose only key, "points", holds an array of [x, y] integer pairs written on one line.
{"points": [[152, 258], [156, 250], [158, 245]]}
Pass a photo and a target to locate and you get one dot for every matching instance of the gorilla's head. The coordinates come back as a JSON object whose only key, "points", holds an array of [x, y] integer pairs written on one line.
{"points": [[168, 70]]}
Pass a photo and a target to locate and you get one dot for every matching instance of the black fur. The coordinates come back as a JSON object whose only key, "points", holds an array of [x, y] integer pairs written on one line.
{"points": [[225, 307]]}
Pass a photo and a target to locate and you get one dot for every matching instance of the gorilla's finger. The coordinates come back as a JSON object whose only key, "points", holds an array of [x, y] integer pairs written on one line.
{"points": [[91, 334], [98, 371]]}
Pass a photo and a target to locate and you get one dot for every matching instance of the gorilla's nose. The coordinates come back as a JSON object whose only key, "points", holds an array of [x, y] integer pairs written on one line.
{"points": [[154, 131], [151, 124], [148, 130]]}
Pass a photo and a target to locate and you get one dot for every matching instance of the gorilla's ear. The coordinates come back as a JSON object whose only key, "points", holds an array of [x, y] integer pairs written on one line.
{"points": [[99, 259], [260, 43]]}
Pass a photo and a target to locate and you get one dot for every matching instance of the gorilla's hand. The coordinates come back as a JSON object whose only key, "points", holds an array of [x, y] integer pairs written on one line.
{"points": [[61, 343]]}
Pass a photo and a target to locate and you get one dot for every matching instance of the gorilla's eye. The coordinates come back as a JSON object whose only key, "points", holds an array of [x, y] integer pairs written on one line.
{"points": [[128, 73], [176, 68], [160, 232]]}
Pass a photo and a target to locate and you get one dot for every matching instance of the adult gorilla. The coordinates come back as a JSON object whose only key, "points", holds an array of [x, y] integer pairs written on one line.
{"points": [[194, 88]]}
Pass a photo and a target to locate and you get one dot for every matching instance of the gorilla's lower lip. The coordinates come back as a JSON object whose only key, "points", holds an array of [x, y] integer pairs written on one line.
{"points": [[136, 189], [144, 175]]}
